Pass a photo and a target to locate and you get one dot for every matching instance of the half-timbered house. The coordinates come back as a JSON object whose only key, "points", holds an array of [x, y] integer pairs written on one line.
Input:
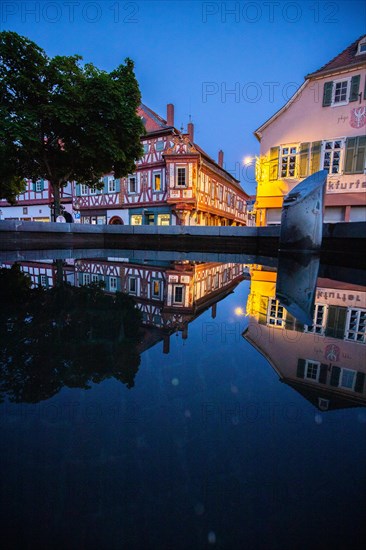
{"points": [[36, 203], [175, 183]]}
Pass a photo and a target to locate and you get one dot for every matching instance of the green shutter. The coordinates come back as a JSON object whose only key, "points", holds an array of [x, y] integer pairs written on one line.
{"points": [[336, 322], [355, 155], [360, 157], [118, 185], [315, 156], [334, 377], [42, 184], [327, 94], [355, 86], [263, 308], [323, 373], [304, 160], [273, 163], [105, 181], [360, 382], [300, 373], [77, 189], [33, 185]]}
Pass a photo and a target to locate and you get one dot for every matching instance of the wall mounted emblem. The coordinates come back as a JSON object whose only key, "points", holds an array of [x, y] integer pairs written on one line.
{"points": [[358, 117]]}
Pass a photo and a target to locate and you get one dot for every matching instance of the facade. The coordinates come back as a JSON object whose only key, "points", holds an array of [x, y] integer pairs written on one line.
{"points": [[175, 183], [321, 127], [324, 362], [35, 204]]}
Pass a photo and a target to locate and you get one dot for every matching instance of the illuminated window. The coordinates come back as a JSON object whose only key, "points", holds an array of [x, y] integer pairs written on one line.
{"points": [[136, 219], [331, 156], [355, 325], [181, 176], [157, 181], [288, 162], [156, 289], [164, 219]]}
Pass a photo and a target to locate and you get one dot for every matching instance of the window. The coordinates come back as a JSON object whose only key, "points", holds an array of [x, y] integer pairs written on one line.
{"points": [[220, 192], [156, 289], [276, 313], [340, 92], [178, 294], [163, 219], [113, 283], [39, 186], [331, 156], [361, 46], [93, 191], [312, 369], [159, 145], [44, 280], [355, 325], [111, 185], [347, 379], [288, 162], [157, 185], [213, 191], [132, 187], [136, 220], [146, 148], [318, 327], [132, 286], [181, 176], [83, 189], [86, 279], [94, 278]]}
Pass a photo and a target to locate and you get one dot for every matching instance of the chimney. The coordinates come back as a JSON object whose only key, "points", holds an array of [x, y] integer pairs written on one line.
{"points": [[220, 162], [170, 114], [190, 129]]}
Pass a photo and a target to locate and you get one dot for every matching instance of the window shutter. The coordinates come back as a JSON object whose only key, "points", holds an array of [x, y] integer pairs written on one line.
{"points": [[33, 185], [77, 189], [323, 373], [289, 322], [327, 94], [355, 85], [41, 187], [336, 321], [360, 382], [315, 156], [304, 160], [335, 375], [300, 373], [360, 157], [262, 319], [105, 181], [273, 163], [355, 155], [118, 185], [299, 327]]}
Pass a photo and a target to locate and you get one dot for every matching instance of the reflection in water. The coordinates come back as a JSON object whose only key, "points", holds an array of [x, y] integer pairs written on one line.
{"points": [[97, 322], [323, 359]]}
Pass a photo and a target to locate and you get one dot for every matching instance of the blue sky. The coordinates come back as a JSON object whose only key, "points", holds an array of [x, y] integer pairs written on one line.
{"points": [[194, 53]]}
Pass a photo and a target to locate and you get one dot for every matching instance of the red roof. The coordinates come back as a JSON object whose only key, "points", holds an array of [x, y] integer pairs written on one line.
{"points": [[347, 58], [152, 121]]}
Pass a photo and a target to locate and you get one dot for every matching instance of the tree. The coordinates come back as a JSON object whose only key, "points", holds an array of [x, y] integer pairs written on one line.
{"points": [[62, 121]]}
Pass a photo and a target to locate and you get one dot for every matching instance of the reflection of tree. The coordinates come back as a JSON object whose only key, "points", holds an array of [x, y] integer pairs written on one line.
{"points": [[64, 336]]}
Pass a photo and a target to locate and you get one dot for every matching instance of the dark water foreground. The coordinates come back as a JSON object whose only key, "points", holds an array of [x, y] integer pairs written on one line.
{"points": [[176, 403]]}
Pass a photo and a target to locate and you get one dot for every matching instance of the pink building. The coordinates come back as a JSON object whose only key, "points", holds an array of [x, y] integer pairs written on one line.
{"points": [[321, 127]]}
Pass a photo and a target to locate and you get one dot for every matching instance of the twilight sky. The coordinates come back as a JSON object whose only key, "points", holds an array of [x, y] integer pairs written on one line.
{"points": [[230, 65]]}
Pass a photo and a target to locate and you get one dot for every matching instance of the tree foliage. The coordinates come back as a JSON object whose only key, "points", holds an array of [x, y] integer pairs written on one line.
{"points": [[61, 120], [63, 336]]}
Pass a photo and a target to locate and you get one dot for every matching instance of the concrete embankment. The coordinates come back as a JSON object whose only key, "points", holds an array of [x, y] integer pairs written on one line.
{"points": [[342, 240]]}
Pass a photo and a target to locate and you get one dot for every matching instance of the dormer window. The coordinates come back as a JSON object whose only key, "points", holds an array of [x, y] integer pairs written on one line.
{"points": [[361, 46]]}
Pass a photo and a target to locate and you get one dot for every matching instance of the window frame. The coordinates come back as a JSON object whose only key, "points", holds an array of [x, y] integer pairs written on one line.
{"points": [[348, 90], [347, 331], [309, 363], [177, 169], [129, 180], [131, 279], [324, 151], [111, 187], [175, 288], [154, 174], [288, 155]]}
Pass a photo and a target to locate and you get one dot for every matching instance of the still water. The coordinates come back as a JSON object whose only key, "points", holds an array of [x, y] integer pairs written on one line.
{"points": [[211, 405]]}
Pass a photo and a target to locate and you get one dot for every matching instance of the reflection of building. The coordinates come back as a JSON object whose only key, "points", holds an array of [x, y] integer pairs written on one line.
{"points": [[169, 295], [176, 183], [35, 204], [44, 273], [321, 127], [325, 362]]}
